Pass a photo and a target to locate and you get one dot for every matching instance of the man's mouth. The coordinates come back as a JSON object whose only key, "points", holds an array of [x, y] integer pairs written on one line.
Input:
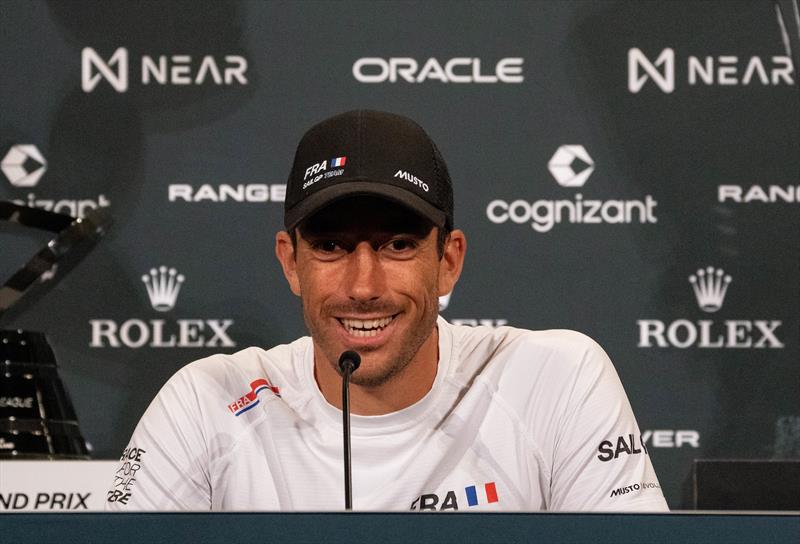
{"points": [[365, 327]]}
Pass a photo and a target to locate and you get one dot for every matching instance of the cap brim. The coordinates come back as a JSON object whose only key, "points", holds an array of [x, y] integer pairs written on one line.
{"points": [[322, 198]]}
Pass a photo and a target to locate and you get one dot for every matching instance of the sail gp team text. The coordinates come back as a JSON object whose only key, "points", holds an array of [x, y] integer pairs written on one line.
{"points": [[326, 175]]}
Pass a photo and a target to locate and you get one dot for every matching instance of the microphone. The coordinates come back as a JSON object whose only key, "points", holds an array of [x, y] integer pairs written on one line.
{"points": [[349, 361]]}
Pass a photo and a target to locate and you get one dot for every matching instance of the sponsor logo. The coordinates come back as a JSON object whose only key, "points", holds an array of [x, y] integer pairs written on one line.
{"points": [[44, 501], [125, 477], [411, 178], [321, 170], [163, 286], [472, 496], [480, 322], [455, 70], [160, 70], [723, 70], [787, 437], [563, 163], [571, 166], [16, 402], [250, 399], [635, 487], [770, 194], [254, 192], [314, 168], [664, 79], [611, 449], [23, 165], [710, 287], [118, 79], [73, 207], [669, 438], [444, 302]]}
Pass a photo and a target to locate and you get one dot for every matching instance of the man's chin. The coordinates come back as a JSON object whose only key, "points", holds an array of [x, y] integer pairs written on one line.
{"points": [[372, 372], [370, 379]]}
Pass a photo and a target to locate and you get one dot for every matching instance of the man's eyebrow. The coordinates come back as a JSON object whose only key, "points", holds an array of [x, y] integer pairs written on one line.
{"points": [[420, 234]]}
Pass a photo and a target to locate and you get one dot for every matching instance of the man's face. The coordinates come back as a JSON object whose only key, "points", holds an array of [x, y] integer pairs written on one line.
{"points": [[369, 275]]}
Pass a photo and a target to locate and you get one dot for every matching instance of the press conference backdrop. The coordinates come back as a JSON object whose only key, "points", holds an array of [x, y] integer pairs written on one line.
{"points": [[630, 170]]}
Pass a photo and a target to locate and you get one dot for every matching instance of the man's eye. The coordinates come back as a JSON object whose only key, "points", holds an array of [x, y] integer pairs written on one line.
{"points": [[401, 244], [327, 246]]}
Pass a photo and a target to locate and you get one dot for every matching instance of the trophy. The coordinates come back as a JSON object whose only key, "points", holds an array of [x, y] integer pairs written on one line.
{"points": [[37, 420]]}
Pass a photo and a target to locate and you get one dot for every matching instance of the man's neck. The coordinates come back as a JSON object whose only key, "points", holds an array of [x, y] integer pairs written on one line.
{"points": [[402, 390]]}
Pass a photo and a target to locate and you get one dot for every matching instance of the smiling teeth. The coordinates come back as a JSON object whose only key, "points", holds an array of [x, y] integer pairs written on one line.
{"points": [[365, 327]]}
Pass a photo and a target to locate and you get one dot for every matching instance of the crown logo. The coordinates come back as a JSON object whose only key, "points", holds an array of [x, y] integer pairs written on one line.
{"points": [[710, 286], [163, 286]]}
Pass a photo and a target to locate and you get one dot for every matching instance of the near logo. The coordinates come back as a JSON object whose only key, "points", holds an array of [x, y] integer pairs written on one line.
{"points": [[162, 70], [665, 80], [723, 70]]}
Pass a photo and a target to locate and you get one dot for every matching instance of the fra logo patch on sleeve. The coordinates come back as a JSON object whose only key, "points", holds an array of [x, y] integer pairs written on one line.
{"points": [[250, 400]]}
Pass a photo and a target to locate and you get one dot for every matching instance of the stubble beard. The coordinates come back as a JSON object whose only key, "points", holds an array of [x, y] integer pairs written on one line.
{"points": [[419, 332]]}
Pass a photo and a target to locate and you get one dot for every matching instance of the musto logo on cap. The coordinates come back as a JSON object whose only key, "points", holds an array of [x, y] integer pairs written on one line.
{"points": [[411, 178], [324, 170]]}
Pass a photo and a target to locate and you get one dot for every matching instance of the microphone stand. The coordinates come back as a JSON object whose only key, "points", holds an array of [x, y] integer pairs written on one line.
{"points": [[348, 363]]}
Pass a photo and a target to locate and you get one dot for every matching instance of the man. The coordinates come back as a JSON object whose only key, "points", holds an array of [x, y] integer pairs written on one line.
{"points": [[444, 417]]}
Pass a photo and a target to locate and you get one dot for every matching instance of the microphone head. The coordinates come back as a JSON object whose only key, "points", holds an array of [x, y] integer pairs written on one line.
{"points": [[349, 356]]}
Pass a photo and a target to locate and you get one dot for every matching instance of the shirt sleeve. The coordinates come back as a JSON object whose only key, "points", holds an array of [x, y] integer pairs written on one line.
{"points": [[164, 467], [599, 461]]}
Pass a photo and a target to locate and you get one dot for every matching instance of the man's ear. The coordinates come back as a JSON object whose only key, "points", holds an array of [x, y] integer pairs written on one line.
{"points": [[285, 252], [452, 261]]}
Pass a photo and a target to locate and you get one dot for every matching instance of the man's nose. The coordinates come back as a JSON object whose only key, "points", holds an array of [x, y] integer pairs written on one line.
{"points": [[365, 279]]}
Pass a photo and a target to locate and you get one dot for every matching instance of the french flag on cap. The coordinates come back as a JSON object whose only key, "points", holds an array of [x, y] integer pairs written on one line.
{"points": [[338, 161]]}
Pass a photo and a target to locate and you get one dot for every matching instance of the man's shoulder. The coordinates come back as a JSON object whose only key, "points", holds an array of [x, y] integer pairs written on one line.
{"points": [[229, 371], [520, 363], [512, 344]]}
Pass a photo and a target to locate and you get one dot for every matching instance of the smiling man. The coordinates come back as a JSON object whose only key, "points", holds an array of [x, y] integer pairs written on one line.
{"points": [[446, 418], [369, 273]]}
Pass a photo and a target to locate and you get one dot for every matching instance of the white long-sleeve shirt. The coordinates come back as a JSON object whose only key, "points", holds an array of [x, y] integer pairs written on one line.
{"points": [[516, 420]]}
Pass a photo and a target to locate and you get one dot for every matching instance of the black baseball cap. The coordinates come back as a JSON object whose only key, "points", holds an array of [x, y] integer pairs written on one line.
{"points": [[365, 152]]}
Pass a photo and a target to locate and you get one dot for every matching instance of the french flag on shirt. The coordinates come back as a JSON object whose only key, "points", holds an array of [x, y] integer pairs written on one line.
{"points": [[338, 161], [472, 494]]}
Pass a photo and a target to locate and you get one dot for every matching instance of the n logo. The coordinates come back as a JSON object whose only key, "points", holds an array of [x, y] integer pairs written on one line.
{"points": [[665, 80], [118, 80]]}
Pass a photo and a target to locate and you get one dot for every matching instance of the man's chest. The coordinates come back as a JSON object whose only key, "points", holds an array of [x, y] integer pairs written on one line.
{"points": [[454, 467]]}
